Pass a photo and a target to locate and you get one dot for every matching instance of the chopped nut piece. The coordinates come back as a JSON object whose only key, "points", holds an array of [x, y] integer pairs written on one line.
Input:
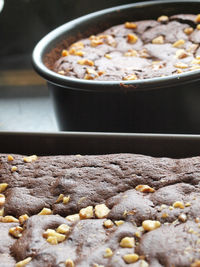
{"points": [[9, 219], [181, 65], [108, 253], [131, 53], [150, 225], [130, 25], [182, 217], [108, 224], [14, 169], [165, 215], [195, 264], [2, 212], [3, 187], [127, 242], [56, 237], [45, 211], [61, 72], [65, 53], [2, 199], [163, 18], [179, 43], [144, 188], [158, 40], [101, 72], [120, 222], [73, 218], [171, 208], [66, 199], [52, 240], [30, 158], [130, 77], [23, 263], [79, 53], [77, 45], [131, 258], [23, 218], [85, 62], [86, 213], [181, 53], [197, 18], [143, 263], [188, 30], [10, 158], [132, 38], [101, 211], [63, 229], [178, 204], [69, 263], [16, 231], [95, 41], [108, 56], [60, 198]]}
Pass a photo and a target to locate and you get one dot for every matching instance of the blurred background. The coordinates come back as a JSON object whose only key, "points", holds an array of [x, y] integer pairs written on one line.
{"points": [[24, 98]]}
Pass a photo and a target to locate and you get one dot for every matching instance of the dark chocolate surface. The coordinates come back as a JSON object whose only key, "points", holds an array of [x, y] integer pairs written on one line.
{"points": [[111, 180]]}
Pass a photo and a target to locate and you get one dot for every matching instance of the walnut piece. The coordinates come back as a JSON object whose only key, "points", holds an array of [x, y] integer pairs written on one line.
{"points": [[131, 258], [150, 225], [127, 242], [101, 211], [23, 263]]}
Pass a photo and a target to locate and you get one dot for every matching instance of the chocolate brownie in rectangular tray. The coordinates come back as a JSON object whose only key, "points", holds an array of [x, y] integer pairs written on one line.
{"points": [[103, 210]]}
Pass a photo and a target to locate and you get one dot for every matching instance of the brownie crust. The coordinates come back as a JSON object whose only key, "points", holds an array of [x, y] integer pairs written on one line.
{"points": [[135, 50], [105, 210]]}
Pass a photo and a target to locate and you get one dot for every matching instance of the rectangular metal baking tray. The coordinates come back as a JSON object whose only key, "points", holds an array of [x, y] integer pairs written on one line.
{"points": [[158, 145]]}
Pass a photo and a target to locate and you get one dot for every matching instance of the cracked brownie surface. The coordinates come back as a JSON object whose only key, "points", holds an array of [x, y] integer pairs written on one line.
{"points": [[135, 50], [104, 210]]}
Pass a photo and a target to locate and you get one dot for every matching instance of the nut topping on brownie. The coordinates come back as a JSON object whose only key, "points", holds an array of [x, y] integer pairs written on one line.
{"points": [[127, 52], [104, 210]]}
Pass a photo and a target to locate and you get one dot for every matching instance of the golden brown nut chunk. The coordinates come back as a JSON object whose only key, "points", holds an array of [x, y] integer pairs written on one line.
{"points": [[178, 204], [10, 158], [188, 30], [24, 262], [127, 242], [179, 43], [145, 188], [130, 25], [3, 187], [132, 38], [130, 77], [131, 258], [85, 62], [69, 263], [16, 231], [108, 224], [73, 218], [197, 18], [101, 211], [45, 211], [86, 213], [158, 40], [163, 18], [108, 253], [150, 225], [30, 158], [9, 219], [23, 218]]}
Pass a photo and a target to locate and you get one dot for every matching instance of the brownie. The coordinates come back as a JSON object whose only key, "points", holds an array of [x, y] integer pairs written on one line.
{"points": [[102, 210], [135, 50]]}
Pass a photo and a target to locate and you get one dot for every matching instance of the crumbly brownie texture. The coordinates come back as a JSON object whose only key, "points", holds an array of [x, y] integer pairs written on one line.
{"points": [[135, 50], [107, 210]]}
